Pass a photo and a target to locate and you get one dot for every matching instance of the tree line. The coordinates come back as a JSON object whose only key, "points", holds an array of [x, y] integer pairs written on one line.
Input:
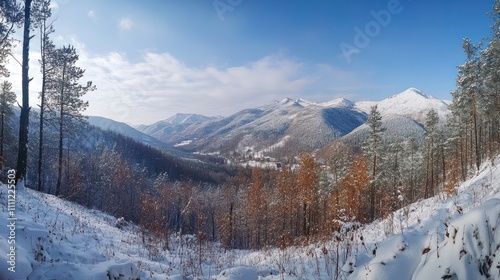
{"points": [[65, 156], [60, 105]]}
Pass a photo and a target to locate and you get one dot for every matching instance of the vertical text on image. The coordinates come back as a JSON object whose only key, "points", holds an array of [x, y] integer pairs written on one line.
{"points": [[11, 220]]}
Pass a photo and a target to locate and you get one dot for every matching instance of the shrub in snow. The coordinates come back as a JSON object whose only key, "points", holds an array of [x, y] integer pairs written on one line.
{"points": [[121, 223], [127, 271]]}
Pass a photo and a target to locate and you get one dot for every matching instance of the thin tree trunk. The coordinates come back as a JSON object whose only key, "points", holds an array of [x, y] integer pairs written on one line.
{"points": [[67, 170], [410, 192], [476, 141], [372, 189], [444, 165], [462, 158], [61, 126], [22, 158], [304, 213], [432, 187], [42, 111], [427, 171]]}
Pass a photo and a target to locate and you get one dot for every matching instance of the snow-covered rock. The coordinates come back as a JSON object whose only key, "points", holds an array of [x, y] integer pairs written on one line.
{"points": [[238, 273]]}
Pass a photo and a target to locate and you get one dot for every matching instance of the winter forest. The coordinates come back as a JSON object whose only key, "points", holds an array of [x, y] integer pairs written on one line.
{"points": [[321, 197]]}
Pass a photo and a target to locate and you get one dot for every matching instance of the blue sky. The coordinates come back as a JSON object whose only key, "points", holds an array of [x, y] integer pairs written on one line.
{"points": [[151, 59]]}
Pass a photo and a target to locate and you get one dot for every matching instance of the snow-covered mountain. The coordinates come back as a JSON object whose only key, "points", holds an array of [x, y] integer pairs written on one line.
{"points": [[411, 103], [403, 116], [293, 125], [303, 124], [339, 102], [164, 129], [126, 130], [396, 128]]}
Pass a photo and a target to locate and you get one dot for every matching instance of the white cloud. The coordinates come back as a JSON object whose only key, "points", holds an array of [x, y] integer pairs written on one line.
{"points": [[125, 23], [160, 85]]}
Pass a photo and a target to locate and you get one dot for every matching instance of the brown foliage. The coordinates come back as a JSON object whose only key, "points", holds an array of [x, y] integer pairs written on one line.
{"points": [[353, 192]]}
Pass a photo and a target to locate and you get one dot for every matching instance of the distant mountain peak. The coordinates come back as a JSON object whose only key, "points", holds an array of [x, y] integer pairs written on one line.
{"points": [[296, 103], [412, 93], [339, 102], [412, 103], [304, 102], [285, 101], [181, 118]]}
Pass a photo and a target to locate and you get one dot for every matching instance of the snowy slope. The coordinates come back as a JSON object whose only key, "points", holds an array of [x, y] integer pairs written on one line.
{"points": [[306, 124], [396, 129], [57, 239], [455, 238], [124, 129], [165, 129], [411, 103], [436, 238], [60, 240], [403, 116]]}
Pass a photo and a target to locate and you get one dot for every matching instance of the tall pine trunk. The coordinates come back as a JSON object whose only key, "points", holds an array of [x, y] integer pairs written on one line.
{"points": [[42, 109], [476, 140], [22, 157], [61, 126]]}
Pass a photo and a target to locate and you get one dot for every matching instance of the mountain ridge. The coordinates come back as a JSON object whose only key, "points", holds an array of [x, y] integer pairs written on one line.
{"points": [[289, 126]]}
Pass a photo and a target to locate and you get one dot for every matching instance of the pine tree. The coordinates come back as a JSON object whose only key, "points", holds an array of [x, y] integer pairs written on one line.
{"points": [[10, 16], [64, 97], [47, 66], [7, 99], [411, 169], [22, 157], [468, 92], [390, 177], [373, 151], [457, 138], [490, 107], [431, 139]]}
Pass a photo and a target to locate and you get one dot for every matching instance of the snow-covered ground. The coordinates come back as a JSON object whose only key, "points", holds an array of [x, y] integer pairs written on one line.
{"points": [[437, 238]]}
